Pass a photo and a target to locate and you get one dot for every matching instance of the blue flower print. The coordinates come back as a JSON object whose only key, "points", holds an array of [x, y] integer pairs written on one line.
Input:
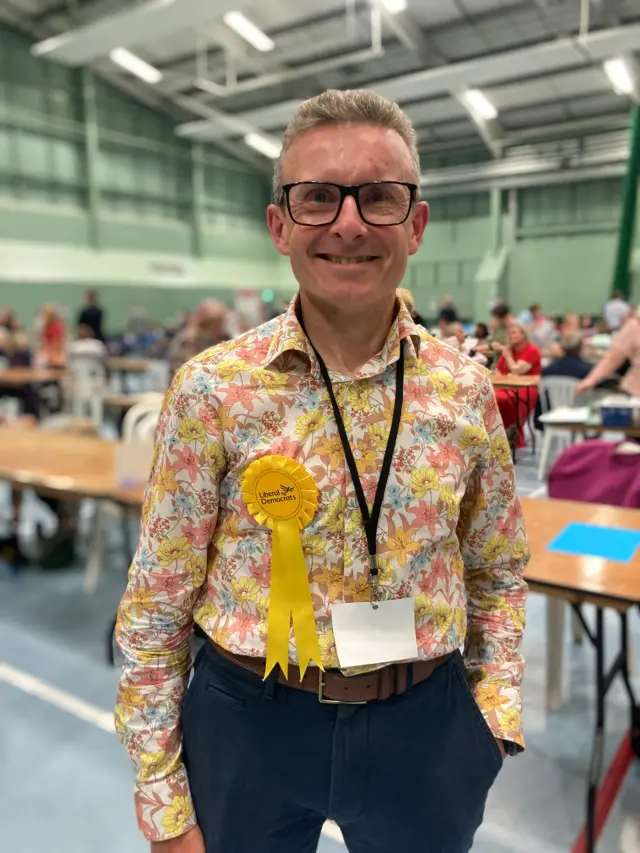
{"points": [[247, 438], [147, 560], [187, 503], [396, 501], [203, 385], [422, 431]]}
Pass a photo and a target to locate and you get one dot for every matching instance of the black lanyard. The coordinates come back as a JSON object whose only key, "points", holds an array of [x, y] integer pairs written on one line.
{"points": [[369, 519]]}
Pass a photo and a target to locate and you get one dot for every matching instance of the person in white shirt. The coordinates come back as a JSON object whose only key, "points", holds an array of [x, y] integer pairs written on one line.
{"points": [[616, 311]]}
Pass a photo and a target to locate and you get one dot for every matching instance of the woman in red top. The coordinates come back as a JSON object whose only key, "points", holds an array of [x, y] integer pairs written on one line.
{"points": [[519, 358], [52, 338]]}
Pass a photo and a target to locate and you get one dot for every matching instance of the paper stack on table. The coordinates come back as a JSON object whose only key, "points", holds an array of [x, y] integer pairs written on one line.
{"points": [[569, 415]]}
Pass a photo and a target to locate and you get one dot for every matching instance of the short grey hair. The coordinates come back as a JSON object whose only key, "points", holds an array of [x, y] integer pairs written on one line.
{"points": [[349, 106]]}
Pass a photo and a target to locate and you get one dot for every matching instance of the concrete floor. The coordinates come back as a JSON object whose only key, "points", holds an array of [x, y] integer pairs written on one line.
{"points": [[67, 783]]}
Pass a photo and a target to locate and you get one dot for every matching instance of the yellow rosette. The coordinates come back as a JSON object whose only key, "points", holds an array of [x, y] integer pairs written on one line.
{"points": [[281, 494]]}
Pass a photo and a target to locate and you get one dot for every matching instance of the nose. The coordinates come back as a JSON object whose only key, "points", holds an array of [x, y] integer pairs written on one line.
{"points": [[349, 225]]}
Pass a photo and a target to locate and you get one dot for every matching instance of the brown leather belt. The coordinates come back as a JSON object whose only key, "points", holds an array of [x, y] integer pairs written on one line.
{"points": [[333, 688]]}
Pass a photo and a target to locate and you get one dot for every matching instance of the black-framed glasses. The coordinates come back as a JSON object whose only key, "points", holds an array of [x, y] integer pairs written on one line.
{"points": [[378, 202]]}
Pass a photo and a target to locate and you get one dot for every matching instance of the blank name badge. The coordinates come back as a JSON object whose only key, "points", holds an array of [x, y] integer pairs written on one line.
{"points": [[366, 636]]}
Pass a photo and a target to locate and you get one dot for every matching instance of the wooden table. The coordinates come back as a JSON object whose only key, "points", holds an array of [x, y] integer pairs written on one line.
{"points": [[20, 377], [61, 464], [584, 579], [511, 383]]}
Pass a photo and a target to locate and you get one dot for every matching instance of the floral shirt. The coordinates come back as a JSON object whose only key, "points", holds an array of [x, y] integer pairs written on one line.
{"points": [[450, 534]]}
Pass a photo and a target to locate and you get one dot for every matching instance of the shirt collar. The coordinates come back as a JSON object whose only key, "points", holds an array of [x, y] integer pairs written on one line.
{"points": [[289, 336]]}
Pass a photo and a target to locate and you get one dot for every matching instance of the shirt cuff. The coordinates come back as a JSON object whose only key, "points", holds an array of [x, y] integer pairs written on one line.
{"points": [[164, 808], [501, 708]]}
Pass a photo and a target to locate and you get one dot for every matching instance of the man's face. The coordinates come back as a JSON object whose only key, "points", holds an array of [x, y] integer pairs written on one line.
{"points": [[349, 155]]}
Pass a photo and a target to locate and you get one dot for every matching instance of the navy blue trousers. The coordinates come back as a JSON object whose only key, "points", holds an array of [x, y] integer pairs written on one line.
{"points": [[268, 764]]}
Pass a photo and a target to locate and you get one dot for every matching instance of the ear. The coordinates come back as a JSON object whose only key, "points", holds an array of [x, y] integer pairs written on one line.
{"points": [[277, 223], [419, 220]]}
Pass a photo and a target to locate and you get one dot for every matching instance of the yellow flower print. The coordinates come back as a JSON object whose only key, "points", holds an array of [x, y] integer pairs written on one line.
{"points": [[423, 480], [347, 557], [172, 550], [363, 589], [245, 589], [520, 550], [510, 720], [367, 461], [165, 482], [335, 515], [460, 621], [489, 698], [499, 448], [443, 617], [445, 387], [494, 548], [379, 435], [331, 447], [328, 650], [450, 500], [472, 436], [230, 527], [141, 601], [415, 367], [214, 455], [491, 603], [456, 564], [228, 368], [354, 525], [359, 396], [311, 422], [206, 613], [197, 566], [263, 606], [402, 546], [272, 380], [518, 617], [314, 545], [177, 816], [151, 763], [386, 572], [191, 429], [424, 606]]}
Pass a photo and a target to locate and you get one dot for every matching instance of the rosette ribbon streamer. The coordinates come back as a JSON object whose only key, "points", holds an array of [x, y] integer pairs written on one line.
{"points": [[280, 494]]}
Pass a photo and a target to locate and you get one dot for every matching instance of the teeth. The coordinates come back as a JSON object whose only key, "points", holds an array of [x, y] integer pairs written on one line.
{"points": [[338, 260]]}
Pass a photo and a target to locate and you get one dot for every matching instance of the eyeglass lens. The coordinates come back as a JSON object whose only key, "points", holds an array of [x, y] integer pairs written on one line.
{"points": [[385, 203]]}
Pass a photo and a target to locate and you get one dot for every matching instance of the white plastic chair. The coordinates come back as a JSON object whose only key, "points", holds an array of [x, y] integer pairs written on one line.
{"points": [[555, 391], [146, 427], [150, 404], [158, 376], [88, 383]]}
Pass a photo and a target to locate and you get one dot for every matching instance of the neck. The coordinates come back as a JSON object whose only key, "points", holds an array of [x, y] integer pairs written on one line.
{"points": [[346, 341]]}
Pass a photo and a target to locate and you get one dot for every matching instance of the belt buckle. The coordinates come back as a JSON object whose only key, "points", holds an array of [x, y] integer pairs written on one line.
{"points": [[323, 701]]}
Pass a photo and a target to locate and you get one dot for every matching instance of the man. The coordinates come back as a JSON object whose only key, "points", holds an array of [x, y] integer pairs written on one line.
{"points": [[448, 312], [571, 363], [616, 311], [92, 315], [245, 764], [87, 346], [205, 328]]}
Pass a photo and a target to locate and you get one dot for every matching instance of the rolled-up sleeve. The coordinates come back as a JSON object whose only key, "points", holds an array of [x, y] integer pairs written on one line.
{"points": [[155, 618], [495, 552]]}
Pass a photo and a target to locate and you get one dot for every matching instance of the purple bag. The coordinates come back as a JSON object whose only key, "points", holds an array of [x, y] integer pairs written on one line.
{"points": [[597, 471]]}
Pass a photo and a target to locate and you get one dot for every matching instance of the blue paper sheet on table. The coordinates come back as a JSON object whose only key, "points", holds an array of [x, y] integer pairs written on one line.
{"points": [[591, 540]]}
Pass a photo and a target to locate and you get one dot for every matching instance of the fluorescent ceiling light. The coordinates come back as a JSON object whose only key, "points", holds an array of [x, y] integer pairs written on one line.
{"points": [[269, 147], [394, 6], [620, 76], [248, 31], [478, 103], [135, 65]]}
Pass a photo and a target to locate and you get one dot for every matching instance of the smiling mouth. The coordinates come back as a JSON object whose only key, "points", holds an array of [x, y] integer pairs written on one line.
{"points": [[339, 259]]}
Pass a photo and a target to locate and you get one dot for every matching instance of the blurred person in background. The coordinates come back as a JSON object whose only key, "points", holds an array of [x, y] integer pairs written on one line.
{"points": [[615, 311], [92, 315], [518, 358], [86, 345], [448, 312], [51, 337], [206, 328], [586, 324], [624, 347], [501, 319], [541, 329]]}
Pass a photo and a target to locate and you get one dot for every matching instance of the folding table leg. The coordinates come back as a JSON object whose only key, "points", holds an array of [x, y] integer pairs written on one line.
{"points": [[556, 610]]}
